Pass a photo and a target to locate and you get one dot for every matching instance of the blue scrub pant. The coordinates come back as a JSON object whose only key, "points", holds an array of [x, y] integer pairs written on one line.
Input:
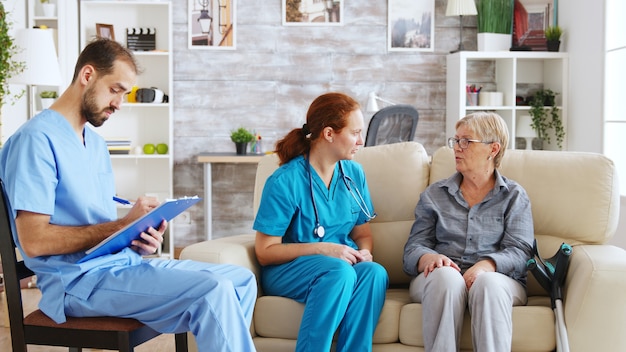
{"points": [[214, 302], [336, 295]]}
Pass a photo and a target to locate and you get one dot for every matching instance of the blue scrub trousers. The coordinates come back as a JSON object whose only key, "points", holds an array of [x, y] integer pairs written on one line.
{"points": [[336, 295], [213, 301]]}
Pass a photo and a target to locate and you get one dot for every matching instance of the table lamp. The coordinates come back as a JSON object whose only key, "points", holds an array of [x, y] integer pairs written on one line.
{"points": [[37, 51], [372, 102], [461, 8], [525, 130]]}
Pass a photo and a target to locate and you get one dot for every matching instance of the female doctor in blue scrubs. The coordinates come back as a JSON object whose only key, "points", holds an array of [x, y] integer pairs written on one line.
{"points": [[313, 235]]}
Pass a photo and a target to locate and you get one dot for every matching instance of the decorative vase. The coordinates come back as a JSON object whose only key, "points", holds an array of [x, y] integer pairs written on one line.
{"points": [[553, 45], [48, 9], [537, 144], [241, 148], [46, 102], [494, 42]]}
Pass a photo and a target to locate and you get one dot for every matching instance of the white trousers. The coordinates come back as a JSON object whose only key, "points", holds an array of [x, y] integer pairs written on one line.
{"points": [[444, 299]]}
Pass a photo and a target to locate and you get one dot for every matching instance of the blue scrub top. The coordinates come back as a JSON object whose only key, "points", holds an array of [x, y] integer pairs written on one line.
{"points": [[286, 207], [48, 170]]}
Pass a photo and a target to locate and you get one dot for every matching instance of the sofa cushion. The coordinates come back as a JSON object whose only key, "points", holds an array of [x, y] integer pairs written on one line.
{"points": [[276, 317], [533, 327]]}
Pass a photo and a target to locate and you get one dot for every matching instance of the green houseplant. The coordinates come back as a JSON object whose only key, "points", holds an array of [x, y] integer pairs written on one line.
{"points": [[8, 67], [495, 24], [241, 137], [545, 116], [553, 37], [48, 94]]}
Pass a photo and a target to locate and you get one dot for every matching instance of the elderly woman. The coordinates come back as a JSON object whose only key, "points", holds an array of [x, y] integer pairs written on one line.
{"points": [[313, 236], [470, 241]]}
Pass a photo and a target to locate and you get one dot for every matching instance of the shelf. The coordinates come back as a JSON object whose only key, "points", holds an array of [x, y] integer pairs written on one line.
{"points": [[511, 73], [140, 174], [141, 156]]}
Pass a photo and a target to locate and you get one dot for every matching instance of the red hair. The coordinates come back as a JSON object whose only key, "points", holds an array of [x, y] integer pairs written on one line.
{"points": [[327, 110]]}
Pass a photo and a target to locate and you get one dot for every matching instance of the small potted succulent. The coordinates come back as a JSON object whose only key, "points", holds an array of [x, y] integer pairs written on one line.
{"points": [[553, 37], [241, 137], [47, 98]]}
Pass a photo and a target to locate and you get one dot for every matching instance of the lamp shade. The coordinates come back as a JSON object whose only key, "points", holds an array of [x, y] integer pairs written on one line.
{"points": [[36, 50], [372, 104], [524, 128], [461, 8]]}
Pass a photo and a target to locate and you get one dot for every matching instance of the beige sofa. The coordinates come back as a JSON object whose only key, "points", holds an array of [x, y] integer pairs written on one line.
{"points": [[575, 199]]}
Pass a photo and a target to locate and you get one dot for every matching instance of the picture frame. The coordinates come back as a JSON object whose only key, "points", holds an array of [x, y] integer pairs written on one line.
{"points": [[530, 20], [212, 24], [312, 13], [411, 25], [105, 31]]}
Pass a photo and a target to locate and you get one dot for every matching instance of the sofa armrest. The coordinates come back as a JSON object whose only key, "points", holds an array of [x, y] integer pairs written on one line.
{"points": [[238, 250], [595, 298]]}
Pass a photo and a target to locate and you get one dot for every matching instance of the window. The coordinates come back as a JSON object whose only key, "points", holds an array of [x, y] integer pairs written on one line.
{"points": [[614, 87]]}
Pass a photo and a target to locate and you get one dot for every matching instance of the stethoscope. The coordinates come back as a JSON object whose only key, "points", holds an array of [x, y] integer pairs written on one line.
{"points": [[319, 230]]}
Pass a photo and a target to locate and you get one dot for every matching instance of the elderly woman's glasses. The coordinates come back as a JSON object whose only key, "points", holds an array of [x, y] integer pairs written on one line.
{"points": [[463, 142]]}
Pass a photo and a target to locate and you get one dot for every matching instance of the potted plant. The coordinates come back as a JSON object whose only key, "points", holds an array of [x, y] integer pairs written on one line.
{"points": [[553, 37], [241, 137], [495, 25], [8, 67], [545, 117], [47, 98]]}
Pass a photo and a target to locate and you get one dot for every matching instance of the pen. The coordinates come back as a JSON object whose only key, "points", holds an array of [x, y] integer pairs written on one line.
{"points": [[121, 200]]}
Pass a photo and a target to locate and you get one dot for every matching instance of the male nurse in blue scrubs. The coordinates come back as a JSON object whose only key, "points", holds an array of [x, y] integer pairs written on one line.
{"points": [[60, 183]]}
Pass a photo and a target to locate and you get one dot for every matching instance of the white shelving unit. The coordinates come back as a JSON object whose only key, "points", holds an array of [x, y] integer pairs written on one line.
{"points": [[513, 74], [138, 174]]}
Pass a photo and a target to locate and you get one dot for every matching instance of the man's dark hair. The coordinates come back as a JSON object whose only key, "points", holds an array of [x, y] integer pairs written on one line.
{"points": [[102, 54]]}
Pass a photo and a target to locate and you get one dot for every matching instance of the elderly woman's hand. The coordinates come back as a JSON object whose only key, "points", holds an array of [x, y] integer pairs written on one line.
{"points": [[432, 261], [483, 266]]}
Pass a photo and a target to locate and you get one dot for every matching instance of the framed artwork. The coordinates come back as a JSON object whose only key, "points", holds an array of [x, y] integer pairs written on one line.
{"points": [[530, 19], [411, 25], [312, 12], [212, 24], [105, 31]]}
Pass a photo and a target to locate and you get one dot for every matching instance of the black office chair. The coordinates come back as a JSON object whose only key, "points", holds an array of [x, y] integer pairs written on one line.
{"points": [[392, 124], [107, 333]]}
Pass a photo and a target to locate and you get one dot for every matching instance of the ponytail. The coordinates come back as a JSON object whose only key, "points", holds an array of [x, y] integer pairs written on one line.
{"points": [[327, 110]]}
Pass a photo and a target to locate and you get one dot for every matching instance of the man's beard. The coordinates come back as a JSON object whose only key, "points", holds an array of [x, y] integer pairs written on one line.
{"points": [[89, 109]]}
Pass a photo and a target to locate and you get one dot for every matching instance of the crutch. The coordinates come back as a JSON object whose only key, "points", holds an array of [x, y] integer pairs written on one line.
{"points": [[550, 273]]}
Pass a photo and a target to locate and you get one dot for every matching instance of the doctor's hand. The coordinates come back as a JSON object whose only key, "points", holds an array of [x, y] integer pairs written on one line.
{"points": [[341, 251], [431, 261], [150, 241], [142, 206], [366, 255]]}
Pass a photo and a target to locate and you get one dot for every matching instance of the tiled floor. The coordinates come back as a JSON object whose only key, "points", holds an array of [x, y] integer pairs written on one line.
{"points": [[163, 343]]}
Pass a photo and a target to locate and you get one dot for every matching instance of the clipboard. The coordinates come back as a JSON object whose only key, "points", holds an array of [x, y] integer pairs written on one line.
{"points": [[122, 238]]}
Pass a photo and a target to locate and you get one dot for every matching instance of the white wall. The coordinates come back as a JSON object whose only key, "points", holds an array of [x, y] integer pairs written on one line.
{"points": [[583, 25]]}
